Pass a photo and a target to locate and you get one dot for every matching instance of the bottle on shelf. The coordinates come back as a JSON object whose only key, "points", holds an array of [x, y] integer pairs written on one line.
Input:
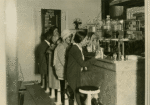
{"points": [[101, 52], [119, 56], [108, 23], [122, 57], [115, 56]]}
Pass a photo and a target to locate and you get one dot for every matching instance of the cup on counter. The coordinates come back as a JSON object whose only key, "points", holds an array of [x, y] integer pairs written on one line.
{"points": [[93, 48], [97, 55], [100, 53], [89, 48], [115, 56]]}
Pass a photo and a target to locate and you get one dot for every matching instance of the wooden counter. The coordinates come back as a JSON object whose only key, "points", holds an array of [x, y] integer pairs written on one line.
{"points": [[124, 81]]}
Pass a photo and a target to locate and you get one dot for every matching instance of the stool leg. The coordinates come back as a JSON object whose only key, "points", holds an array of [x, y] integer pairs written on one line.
{"points": [[75, 101], [88, 99], [52, 93], [66, 100]]}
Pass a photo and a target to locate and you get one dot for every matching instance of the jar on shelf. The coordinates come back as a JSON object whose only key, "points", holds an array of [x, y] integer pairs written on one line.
{"points": [[108, 23]]}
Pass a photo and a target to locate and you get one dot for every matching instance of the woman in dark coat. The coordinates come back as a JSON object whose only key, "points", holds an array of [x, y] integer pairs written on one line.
{"points": [[41, 57], [76, 63], [53, 82]]}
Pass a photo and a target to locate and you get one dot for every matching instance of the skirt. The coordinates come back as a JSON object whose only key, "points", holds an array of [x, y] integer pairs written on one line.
{"points": [[54, 83]]}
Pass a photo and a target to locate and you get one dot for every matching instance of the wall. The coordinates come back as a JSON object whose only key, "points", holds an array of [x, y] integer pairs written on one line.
{"points": [[11, 51], [2, 55], [29, 25]]}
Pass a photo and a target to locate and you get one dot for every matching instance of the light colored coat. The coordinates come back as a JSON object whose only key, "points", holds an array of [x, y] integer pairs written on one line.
{"points": [[59, 60]]}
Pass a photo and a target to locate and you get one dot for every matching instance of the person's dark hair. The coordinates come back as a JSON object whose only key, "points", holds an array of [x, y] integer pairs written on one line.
{"points": [[51, 32], [53, 28], [90, 34], [79, 36], [47, 34]]}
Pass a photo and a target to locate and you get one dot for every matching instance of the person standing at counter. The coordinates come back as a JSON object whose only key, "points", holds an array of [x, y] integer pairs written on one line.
{"points": [[41, 57], [53, 81], [59, 57], [60, 53], [76, 63]]}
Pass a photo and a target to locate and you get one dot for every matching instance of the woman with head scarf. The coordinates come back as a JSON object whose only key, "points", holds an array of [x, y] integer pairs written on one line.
{"points": [[60, 56], [60, 53]]}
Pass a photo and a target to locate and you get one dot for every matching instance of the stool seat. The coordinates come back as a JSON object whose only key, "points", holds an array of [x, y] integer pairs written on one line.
{"points": [[89, 90]]}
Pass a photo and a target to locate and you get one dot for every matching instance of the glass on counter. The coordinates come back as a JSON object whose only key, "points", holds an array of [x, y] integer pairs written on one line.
{"points": [[100, 53], [115, 56], [93, 44]]}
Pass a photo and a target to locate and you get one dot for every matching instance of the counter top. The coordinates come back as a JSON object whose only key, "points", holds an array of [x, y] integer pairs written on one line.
{"points": [[110, 64]]}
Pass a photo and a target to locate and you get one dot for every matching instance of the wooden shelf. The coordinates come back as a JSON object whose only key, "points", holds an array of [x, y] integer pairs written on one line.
{"points": [[116, 39], [128, 3]]}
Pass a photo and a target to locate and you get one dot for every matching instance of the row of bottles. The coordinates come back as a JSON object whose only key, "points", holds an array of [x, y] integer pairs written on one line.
{"points": [[115, 51], [113, 25]]}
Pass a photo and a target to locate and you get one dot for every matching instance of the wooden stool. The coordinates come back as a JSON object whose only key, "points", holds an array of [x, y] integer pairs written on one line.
{"points": [[89, 90], [22, 90]]}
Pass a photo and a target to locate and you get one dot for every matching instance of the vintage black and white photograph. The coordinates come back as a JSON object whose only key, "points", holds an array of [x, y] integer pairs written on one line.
{"points": [[74, 52]]}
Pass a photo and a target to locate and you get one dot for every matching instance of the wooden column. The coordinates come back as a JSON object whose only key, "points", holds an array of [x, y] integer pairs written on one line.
{"points": [[2, 55], [147, 53], [11, 51]]}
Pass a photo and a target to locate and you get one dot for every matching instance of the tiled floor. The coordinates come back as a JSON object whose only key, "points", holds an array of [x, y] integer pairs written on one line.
{"points": [[34, 95]]}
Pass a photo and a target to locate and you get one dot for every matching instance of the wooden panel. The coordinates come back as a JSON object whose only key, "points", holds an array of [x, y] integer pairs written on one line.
{"points": [[108, 88], [130, 65], [130, 87], [105, 65]]}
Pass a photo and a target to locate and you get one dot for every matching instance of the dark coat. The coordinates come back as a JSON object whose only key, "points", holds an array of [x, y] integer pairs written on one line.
{"points": [[76, 77], [42, 58], [74, 64]]}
